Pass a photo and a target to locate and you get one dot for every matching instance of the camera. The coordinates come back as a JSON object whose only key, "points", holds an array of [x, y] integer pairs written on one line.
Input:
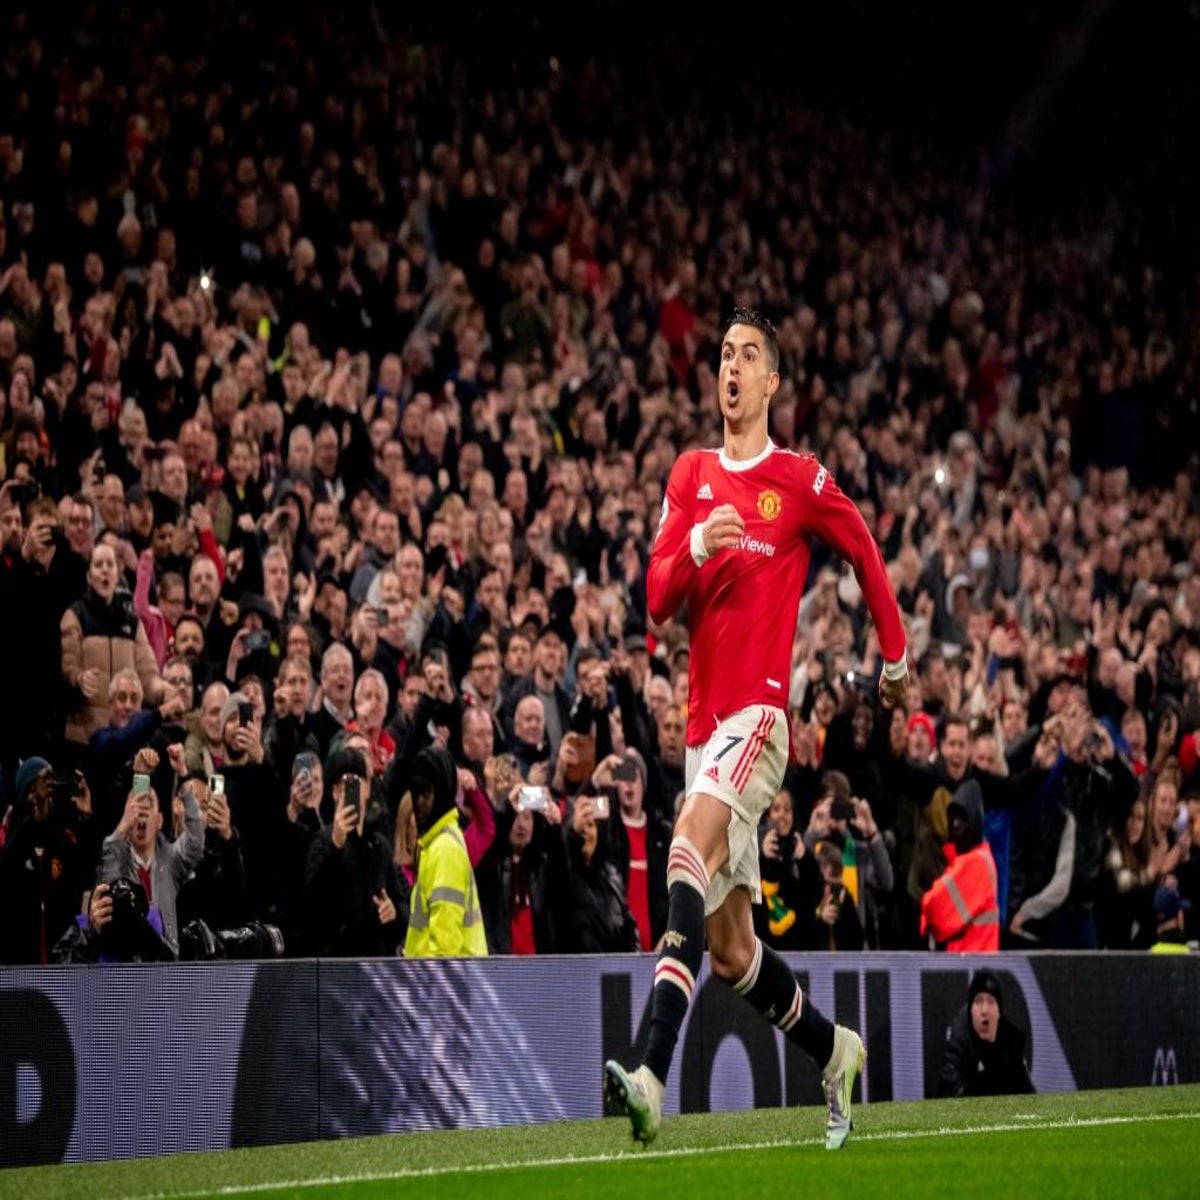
{"points": [[129, 935], [841, 810], [199, 943]]}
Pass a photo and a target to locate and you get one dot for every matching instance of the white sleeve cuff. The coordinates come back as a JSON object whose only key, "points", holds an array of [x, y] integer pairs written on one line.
{"points": [[896, 670], [699, 554]]}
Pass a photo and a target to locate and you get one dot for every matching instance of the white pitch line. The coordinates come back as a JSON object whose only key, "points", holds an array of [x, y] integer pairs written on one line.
{"points": [[635, 1156]]}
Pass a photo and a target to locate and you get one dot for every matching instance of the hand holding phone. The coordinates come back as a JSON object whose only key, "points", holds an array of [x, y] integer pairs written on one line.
{"points": [[532, 799]]}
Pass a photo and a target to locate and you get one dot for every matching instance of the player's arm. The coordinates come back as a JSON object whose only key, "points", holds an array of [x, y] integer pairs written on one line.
{"points": [[834, 518], [673, 560]]}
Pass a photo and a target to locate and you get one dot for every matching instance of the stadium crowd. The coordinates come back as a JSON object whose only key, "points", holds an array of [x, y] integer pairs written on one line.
{"points": [[337, 402]]}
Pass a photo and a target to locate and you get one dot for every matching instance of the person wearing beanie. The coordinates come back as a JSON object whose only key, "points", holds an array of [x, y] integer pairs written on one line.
{"points": [[446, 921], [48, 851], [960, 910], [356, 904], [985, 1051]]}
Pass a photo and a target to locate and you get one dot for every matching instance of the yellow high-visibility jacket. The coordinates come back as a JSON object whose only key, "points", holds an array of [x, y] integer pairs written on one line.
{"points": [[445, 920]]}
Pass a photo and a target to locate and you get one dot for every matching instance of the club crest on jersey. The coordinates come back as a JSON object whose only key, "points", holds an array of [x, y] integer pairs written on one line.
{"points": [[769, 504]]}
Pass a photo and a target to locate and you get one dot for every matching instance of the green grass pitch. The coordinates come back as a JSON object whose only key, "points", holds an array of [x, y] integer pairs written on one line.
{"points": [[1117, 1143]]}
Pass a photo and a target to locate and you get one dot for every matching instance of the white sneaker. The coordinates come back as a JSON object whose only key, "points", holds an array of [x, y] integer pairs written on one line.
{"points": [[640, 1094], [843, 1069]]}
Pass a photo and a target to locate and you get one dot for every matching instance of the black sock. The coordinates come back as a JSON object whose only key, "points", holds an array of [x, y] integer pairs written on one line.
{"points": [[683, 949], [771, 987]]}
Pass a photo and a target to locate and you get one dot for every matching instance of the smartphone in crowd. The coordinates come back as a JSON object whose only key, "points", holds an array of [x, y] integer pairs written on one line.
{"points": [[353, 793], [260, 639], [625, 771], [532, 799], [245, 712], [141, 784], [216, 785], [600, 806]]}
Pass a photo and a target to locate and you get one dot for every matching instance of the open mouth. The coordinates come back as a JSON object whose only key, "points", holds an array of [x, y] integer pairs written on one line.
{"points": [[732, 391], [140, 829]]}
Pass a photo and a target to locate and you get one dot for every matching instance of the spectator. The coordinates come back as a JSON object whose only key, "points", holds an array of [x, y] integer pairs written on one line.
{"points": [[130, 728], [985, 1051], [101, 635], [848, 823], [1126, 899], [792, 885], [370, 711], [523, 886], [138, 851], [215, 892], [336, 692], [960, 912], [446, 920], [47, 851], [640, 841], [600, 918], [352, 891]]}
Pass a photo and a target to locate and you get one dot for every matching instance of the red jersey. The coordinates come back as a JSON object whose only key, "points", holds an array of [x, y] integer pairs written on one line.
{"points": [[743, 602]]}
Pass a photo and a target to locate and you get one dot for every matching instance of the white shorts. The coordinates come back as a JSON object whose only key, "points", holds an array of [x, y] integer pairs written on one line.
{"points": [[742, 765]]}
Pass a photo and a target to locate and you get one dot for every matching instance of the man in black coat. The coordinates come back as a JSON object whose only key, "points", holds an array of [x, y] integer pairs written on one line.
{"points": [[985, 1052], [353, 893]]}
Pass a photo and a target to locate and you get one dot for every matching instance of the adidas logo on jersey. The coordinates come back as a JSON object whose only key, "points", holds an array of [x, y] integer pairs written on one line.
{"points": [[713, 774], [705, 493]]}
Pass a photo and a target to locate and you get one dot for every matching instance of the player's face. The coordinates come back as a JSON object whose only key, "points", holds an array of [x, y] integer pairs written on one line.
{"points": [[747, 381]]}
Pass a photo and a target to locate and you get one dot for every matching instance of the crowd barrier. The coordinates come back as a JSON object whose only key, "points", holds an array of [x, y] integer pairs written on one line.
{"points": [[117, 1062]]}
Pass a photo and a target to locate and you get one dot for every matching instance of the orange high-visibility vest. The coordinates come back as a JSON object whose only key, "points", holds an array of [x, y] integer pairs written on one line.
{"points": [[960, 909]]}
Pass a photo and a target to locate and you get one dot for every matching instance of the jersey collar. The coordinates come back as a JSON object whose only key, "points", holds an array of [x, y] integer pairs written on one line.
{"points": [[730, 465]]}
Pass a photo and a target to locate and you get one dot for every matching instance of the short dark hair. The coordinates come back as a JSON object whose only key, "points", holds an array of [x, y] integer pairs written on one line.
{"points": [[755, 319]]}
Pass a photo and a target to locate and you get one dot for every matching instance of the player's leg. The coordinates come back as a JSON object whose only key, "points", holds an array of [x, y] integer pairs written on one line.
{"points": [[759, 974], [698, 849]]}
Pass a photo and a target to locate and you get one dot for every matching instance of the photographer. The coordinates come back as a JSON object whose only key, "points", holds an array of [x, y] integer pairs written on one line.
{"points": [[640, 841], [791, 881], [138, 851], [600, 921], [523, 890], [848, 823], [352, 892], [48, 847]]}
